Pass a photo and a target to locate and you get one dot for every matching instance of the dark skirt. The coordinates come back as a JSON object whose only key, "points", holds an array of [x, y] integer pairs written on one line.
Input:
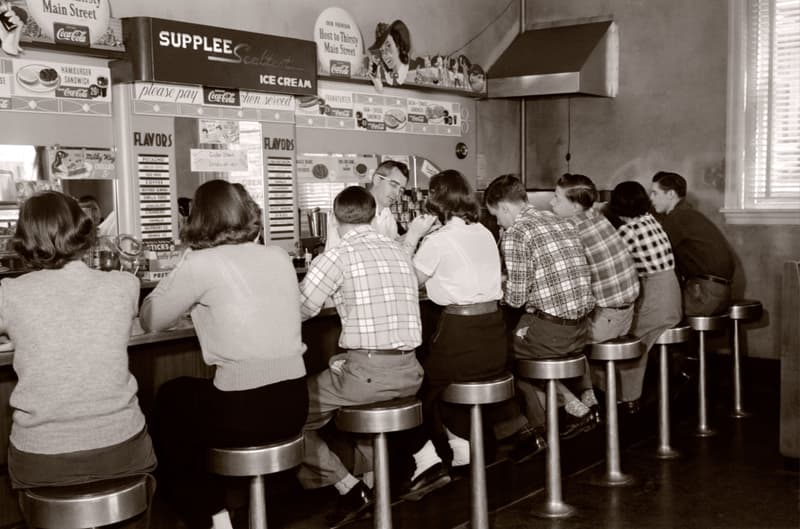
{"points": [[129, 458], [192, 415]]}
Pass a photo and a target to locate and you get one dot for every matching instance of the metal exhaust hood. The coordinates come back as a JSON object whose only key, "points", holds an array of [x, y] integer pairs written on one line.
{"points": [[559, 60]]}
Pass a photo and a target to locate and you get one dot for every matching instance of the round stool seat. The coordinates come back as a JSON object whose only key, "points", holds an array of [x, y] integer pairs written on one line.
{"points": [[568, 366], [379, 417], [480, 392], [707, 323], [677, 334], [256, 460], [745, 309], [87, 505], [622, 348]]}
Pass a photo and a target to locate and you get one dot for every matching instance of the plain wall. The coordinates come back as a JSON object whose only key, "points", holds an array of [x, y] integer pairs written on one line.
{"points": [[669, 115]]}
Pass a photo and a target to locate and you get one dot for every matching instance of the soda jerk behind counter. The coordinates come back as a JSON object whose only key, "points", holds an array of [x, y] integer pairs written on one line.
{"points": [[177, 52]]}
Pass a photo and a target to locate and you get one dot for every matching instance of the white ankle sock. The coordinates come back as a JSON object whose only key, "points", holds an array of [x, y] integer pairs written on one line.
{"points": [[221, 520], [369, 479], [425, 459], [460, 449], [345, 484], [576, 408]]}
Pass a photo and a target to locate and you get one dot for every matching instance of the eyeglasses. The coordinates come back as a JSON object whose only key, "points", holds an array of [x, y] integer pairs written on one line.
{"points": [[394, 183]]}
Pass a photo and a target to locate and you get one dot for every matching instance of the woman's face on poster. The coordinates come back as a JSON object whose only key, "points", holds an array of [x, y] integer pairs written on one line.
{"points": [[390, 54]]}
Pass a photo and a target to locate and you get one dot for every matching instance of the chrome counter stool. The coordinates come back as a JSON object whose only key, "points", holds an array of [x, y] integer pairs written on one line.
{"points": [[740, 310], [550, 370], [701, 324], [474, 394], [610, 351], [379, 419], [677, 334], [255, 462], [87, 505]]}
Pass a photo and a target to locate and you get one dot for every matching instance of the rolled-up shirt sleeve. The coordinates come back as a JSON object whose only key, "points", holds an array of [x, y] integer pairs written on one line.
{"points": [[517, 260], [174, 296], [323, 279]]}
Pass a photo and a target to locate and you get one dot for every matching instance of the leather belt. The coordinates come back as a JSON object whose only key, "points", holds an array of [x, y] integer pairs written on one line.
{"points": [[715, 279], [555, 319], [385, 352], [623, 307], [473, 309]]}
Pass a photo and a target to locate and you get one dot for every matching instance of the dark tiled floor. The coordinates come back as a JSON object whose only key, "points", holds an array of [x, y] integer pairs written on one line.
{"points": [[736, 479]]}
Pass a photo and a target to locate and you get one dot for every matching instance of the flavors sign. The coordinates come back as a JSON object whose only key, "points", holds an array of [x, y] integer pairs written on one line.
{"points": [[178, 52]]}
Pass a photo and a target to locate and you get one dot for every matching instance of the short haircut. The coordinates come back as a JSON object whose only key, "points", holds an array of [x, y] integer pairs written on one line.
{"points": [[52, 230], [386, 167], [578, 188], [451, 196], [354, 205], [222, 213], [671, 182], [628, 199], [507, 187]]}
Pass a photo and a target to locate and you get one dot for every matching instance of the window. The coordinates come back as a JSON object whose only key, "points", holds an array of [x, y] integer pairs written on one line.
{"points": [[763, 158]]}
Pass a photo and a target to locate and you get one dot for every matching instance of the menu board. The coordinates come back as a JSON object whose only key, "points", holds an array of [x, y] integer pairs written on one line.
{"points": [[341, 109], [45, 86], [155, 197], [280, 175]]}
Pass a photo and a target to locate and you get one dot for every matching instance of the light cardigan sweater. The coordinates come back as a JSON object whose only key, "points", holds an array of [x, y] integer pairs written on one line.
{"points": [[245, 305], [70, 329]]}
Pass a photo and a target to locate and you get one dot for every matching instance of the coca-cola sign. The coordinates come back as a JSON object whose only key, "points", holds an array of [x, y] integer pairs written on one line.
{"points": [[221, 96], [71, 34], [340, 69], [73, 92]]}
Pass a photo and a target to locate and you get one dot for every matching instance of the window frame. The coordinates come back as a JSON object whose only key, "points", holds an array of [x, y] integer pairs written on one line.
{"points": [[735, 210]]}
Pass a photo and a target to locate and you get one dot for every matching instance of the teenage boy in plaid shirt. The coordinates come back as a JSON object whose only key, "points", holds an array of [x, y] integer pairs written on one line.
{"points": [[549, 275], [615, 283], [374, 286]]}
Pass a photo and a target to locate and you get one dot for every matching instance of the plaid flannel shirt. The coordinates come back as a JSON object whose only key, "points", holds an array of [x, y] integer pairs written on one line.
{"points": [[374, 286], [648, 244], [546, 265], [615, 282]]}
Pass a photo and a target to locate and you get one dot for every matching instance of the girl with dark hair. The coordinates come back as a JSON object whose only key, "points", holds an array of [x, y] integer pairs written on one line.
{"points": [[244, 302], [658, 306], [64, 317], [459, 264]]}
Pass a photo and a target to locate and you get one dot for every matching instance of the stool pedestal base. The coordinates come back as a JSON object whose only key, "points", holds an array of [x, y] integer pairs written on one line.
{"points": [[550, 509], [665, 452]]}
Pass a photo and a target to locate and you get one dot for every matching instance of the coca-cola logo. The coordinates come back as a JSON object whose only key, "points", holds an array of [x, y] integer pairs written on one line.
{"points": [[221, 96], [73, 92], [71, 34], [340, 68]]}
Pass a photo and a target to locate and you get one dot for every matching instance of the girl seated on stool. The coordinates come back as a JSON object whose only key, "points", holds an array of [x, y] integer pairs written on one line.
{"points": [[245, 305], [459, 265], [76, 417]]}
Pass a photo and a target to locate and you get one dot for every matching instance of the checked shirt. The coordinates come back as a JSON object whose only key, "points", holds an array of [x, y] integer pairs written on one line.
{"points": [[374, 286], [648, 244], [546, 265], [615, 282]]}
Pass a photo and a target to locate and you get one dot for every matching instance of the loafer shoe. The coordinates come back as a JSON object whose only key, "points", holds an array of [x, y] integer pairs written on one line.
{"points": [[574, 426], [630, 407], [351, 506], [431, 479]]}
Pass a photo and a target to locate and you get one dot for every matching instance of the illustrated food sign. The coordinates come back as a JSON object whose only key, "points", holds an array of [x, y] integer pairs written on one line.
{"points": [[83, 23], [340, 47], [178, 52], [77, 162], [60, 80]]}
